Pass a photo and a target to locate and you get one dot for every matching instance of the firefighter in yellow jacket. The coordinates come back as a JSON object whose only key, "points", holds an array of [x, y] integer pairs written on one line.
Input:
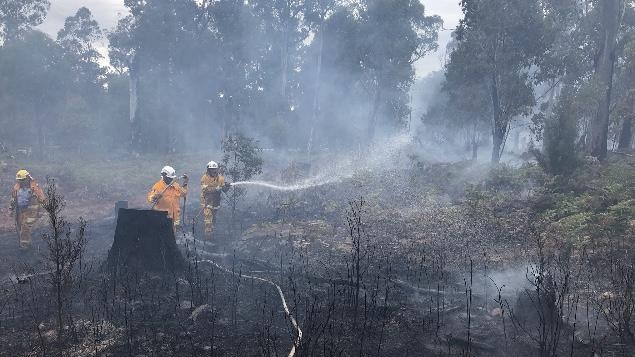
{"points": [[166, 194], [26, 199], [212, 183]]}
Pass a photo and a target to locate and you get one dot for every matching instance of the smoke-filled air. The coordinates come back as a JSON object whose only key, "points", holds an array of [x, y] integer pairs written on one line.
{"points": [[317, 178]]}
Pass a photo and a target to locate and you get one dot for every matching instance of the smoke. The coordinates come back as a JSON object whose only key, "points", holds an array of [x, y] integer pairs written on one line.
{"points": [[511, 281]]}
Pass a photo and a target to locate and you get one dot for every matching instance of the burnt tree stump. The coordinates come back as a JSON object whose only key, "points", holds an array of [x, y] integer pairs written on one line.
{"points": [[144, 241]]}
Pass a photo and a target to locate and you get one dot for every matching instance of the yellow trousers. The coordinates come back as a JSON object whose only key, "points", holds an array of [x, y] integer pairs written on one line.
{"points": [[209, 219], [26, 220]]}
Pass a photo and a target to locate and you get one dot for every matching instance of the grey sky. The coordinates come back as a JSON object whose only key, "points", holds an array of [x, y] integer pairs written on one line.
{"points": [[450, 12], [107, 12]]}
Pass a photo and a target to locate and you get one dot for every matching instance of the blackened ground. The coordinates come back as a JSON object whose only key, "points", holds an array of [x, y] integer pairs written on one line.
{"points": [[429, 268]]}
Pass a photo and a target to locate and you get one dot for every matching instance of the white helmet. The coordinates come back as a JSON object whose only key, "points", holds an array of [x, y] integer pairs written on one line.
{"points": [[212, 165], [168, 171]]}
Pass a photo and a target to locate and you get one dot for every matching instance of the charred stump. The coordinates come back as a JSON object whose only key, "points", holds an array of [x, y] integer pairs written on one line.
{"points": [[144, 241]]}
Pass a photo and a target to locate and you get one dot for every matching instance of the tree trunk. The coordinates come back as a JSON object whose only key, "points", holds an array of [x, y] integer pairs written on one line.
{"points": [[372, 121], [626, 136], [497, 143], [285, 61], [610, 12], [132, 95], [498, 132], [41, 140], [474, 141], [316, 95]]}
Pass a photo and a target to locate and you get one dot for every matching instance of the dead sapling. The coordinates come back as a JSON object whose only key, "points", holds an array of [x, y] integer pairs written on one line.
{"points": [[540, 309], [65, 249], [358, 264], [618, 306]]}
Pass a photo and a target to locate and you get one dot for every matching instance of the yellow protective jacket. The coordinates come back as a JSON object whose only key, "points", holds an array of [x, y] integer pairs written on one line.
{"points": [[210, 190], [36, 192], [170, 200]]}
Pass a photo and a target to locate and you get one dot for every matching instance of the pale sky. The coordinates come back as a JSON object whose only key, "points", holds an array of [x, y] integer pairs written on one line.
{"points": [[107, 12]]}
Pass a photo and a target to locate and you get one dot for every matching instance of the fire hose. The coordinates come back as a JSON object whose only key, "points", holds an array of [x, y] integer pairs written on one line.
{"points": [[24, 278], [298, 338], [285, 306]]}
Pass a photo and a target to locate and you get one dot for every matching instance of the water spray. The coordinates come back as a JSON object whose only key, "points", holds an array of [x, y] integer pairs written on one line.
{"points": [[377, 157], [296, 187]]}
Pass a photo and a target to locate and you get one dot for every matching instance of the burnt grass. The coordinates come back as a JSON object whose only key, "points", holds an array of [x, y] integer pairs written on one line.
{"points": [[402, 263]]}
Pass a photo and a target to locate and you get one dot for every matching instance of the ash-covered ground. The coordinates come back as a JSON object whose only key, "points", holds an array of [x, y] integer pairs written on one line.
{"points": [[431, 259]]}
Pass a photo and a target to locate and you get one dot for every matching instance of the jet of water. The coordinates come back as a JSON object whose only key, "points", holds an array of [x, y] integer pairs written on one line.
{"points": [[379, 156], [296, 187]]}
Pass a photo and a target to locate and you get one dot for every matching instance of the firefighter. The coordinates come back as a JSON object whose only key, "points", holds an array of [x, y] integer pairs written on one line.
{"points": [[26, 199], [212, 184], [165, 195]]}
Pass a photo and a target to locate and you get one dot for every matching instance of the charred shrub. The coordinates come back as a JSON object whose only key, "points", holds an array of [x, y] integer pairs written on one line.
{"points": [[618, 305], [539, 310]]}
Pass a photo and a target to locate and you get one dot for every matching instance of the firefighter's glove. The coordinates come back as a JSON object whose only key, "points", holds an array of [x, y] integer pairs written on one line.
{"points": [[186, 179]]}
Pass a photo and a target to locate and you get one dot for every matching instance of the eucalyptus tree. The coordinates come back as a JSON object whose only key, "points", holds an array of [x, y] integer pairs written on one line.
{"points": [[317, 13], [393, 34], [84, 83], [158, 45], [17, 17], [30, 66], [625, 103], [498, 42], [587, 47], [121, 52], [610, 12]]}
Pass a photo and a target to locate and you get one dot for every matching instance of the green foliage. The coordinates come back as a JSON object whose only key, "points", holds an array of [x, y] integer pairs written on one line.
{"points": [[497, 42], [592, 207], [395, 34], [53, 88], [595, 203], [241, 157], [559, 152], [506, 178], [461, 114], [29, 67], [121, 48], [200, 70], [18, 17], [241, 161]]}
